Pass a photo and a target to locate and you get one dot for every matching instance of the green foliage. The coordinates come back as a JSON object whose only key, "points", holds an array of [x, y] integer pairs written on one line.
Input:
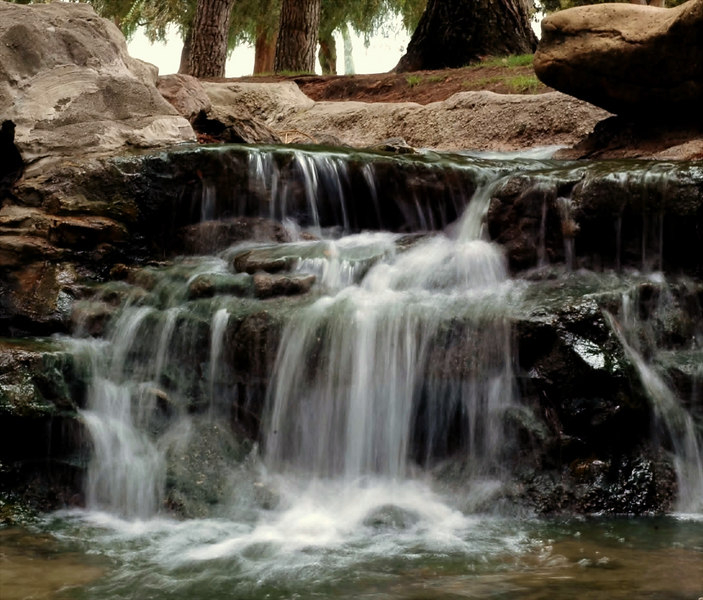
{"points": [[478, 84], [252, 18], [521, 84], [413, 80], [516, 60]]}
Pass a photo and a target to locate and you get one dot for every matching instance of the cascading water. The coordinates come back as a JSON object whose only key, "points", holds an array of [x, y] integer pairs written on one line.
{"points": [[359, 385], [384, 400], [670, 413]]}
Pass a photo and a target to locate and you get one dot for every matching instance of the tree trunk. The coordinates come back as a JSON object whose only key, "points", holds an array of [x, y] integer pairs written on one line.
{"points": [[328, 55], [185, 53], [264, 51], [297, 36], [453, 33], [208, 51], [348, 58]]}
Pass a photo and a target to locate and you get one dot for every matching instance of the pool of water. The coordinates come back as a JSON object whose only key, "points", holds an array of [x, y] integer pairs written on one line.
{"points": [[380, 541]]}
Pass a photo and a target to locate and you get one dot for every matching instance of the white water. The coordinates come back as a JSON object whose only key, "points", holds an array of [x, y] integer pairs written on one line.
{"points": [[351, 370], [668, 409], [360, 403], [350, 431]]}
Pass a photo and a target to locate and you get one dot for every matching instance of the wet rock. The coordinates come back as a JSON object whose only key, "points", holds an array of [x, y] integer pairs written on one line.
{"points": [[41, 448], [37, 298], [632, 60], [391, 517], [91, 318], [638, 484], [215, 284], [394, 146], [209, 237], [267, 285], [80, 233], [253, 261], [594, 220]]}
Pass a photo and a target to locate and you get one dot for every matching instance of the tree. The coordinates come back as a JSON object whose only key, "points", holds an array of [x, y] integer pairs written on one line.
{"points": [[210, 33], [453, 33], [297, 36]]}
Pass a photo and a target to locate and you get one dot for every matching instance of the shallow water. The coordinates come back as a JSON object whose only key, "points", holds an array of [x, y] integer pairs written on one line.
{"points": [[358, 549]]}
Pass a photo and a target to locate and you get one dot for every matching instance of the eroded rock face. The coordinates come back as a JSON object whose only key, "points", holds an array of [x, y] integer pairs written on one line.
{"points": [[67, 82], [629, 59]]}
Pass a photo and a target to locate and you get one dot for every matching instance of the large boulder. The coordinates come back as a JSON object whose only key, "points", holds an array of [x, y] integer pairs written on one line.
{"points": [[632, 60], [466, 120], [67, 82]]}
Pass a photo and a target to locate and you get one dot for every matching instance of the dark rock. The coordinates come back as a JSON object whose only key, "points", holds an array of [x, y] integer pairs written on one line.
{"points": [[42, 458], [253, 261], [215, 284], [241, 128], [587, 218], [37, 298], [209, 237], [11, 163], [267, 285], [639, 61], [394, 146], [618, 137]]}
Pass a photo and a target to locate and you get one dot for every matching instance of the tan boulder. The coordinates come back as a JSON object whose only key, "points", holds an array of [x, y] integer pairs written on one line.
{"points": [[632, 60], [70, 86], [467, 120], [185, 93]]}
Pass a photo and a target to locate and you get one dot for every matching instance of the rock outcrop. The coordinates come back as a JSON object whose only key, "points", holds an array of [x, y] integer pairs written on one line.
{"points": [[636, 61], [467, 120], [70, 86]]}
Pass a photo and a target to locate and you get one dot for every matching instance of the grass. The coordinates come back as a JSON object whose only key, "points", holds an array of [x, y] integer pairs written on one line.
{"points": [[517, 60], [413, 80], [523, 84], [478, 84]]}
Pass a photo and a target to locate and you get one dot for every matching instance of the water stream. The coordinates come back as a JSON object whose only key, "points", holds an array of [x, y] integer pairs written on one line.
{"points": [[398, 365]]}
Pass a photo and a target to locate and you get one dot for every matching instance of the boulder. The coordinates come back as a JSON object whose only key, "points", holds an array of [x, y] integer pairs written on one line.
{"points": [[267, 285], [69, 85], [467, 120], [639, 61], [185, 93], [209, 237], [253, 261], [233, 127]]}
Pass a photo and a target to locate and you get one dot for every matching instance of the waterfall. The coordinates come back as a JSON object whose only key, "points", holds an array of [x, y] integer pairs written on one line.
{"points": [[399, 359], [670, 413], [360, 384], [126, 473], [130, 410]]}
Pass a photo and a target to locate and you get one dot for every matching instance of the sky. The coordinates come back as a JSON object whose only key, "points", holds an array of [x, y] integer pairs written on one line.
{"points": [[382, 54]]}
